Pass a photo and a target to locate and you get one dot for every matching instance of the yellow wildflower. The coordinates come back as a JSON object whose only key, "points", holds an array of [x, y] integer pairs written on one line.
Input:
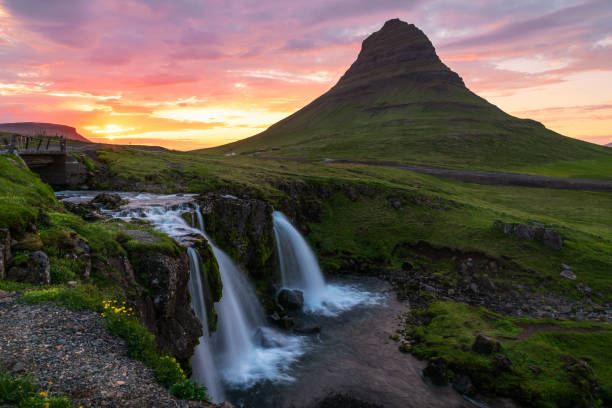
{"points": [[43, 394]]}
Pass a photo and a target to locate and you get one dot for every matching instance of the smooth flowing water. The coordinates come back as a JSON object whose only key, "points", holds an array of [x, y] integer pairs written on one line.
{"points": [[300, 270], [204, 369]]}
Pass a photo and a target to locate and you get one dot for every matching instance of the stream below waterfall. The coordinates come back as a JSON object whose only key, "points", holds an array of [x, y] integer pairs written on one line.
{"points": [[251, 364]]}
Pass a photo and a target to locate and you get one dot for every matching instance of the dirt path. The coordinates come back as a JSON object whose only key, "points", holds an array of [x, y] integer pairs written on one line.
{"points": [[494, 178]]}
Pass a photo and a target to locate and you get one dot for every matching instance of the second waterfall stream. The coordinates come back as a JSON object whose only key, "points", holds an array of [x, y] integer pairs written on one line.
{"points": [[300, 270]]}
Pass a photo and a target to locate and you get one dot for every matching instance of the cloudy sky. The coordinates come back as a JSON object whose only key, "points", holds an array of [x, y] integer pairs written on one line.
{"points": [[198, 73]]}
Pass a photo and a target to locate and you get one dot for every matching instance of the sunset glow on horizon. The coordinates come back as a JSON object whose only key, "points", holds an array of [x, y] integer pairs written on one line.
{"points": [[189, 74]]}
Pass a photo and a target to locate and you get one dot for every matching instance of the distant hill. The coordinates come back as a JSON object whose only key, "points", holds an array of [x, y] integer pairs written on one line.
{"points": [[37, 128], [399, 102], [609, 145]]}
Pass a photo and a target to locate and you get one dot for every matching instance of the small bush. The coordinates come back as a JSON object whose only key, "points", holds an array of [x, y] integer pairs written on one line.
{"points": [[22, 391], [188, 390], [63, 270]]}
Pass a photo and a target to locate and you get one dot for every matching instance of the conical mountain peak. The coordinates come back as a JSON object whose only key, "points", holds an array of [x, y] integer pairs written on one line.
{"points": [[397, 51]]}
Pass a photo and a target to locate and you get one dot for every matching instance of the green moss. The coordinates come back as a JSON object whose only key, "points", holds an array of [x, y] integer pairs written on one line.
{"points": [[211, 279], [22, 195], [29, 242], [83, 297], [549, 368]]}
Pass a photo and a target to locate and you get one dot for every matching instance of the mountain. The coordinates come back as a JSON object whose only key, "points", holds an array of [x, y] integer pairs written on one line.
{"points": [[37, 128], [399, 102]]}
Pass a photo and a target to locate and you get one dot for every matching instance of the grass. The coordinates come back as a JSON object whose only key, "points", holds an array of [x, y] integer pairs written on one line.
{"points": [[549, 368], [24, 392], [22, 195], [444, 213]]}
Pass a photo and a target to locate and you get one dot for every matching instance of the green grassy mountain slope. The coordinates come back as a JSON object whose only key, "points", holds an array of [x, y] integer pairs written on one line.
{"points": [[399, 102]]}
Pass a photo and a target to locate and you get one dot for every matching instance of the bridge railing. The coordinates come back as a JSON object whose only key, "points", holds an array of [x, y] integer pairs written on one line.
{"points": [[34, 144]]}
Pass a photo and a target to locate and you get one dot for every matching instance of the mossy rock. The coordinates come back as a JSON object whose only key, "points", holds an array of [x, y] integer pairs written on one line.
{"points": [[30, 242], [211, 280]]}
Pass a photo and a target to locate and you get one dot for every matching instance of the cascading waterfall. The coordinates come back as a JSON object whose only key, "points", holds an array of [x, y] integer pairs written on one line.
{"points": [[299, 266], [204, 370], [246, 350], [300, 270], [243, 350]]}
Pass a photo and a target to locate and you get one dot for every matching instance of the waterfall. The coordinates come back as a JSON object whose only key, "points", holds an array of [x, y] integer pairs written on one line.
{"points": [[246, 350], [299, 266], [300, 270], [204, 370], [243, 350]]}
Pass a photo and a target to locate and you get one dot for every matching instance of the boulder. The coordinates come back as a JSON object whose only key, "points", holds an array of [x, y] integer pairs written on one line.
{"points": [[502, 361], [108, 201], [525, 232], [36, 270], [87, 211], [568, 274], [552, 239], [485, 345], [290, 298], [436, 371], [463, 385]]}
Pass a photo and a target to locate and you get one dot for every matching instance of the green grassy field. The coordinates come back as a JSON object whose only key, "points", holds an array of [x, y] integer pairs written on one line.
{"points": [[463, 220], [558, 365]]}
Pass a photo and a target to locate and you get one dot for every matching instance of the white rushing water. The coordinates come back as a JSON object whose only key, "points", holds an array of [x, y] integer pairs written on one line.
{"points": [[300, 270], [204, 369], [243, 350]]}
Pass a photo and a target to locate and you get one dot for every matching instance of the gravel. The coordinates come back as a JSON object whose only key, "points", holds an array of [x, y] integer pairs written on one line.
{"points": [[75, 352]]}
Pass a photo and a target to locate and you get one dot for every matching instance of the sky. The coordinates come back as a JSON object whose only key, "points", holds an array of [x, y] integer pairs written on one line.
{"points": [[189, 74]]}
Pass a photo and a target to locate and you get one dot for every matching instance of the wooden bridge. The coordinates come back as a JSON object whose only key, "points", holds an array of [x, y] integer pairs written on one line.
{"points": [[35, 145], [48, 156]]}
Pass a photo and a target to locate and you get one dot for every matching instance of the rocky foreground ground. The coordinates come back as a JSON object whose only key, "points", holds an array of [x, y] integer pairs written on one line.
{"points": [[71, 353]]}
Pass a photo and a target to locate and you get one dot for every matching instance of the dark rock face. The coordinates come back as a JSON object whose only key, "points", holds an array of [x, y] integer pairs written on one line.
{"points": [[436, 371], [485, 345], [552, 239], [108, 201], [36, 270], [243, 228], [290, 298], [5, 251], [166, 310], [502, 361], [547, 236], [463, 385], [87, 211]]}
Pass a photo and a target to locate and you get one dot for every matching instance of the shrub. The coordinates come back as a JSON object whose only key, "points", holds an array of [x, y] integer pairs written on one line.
{"points": [[22, 391], [188, 390]]}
